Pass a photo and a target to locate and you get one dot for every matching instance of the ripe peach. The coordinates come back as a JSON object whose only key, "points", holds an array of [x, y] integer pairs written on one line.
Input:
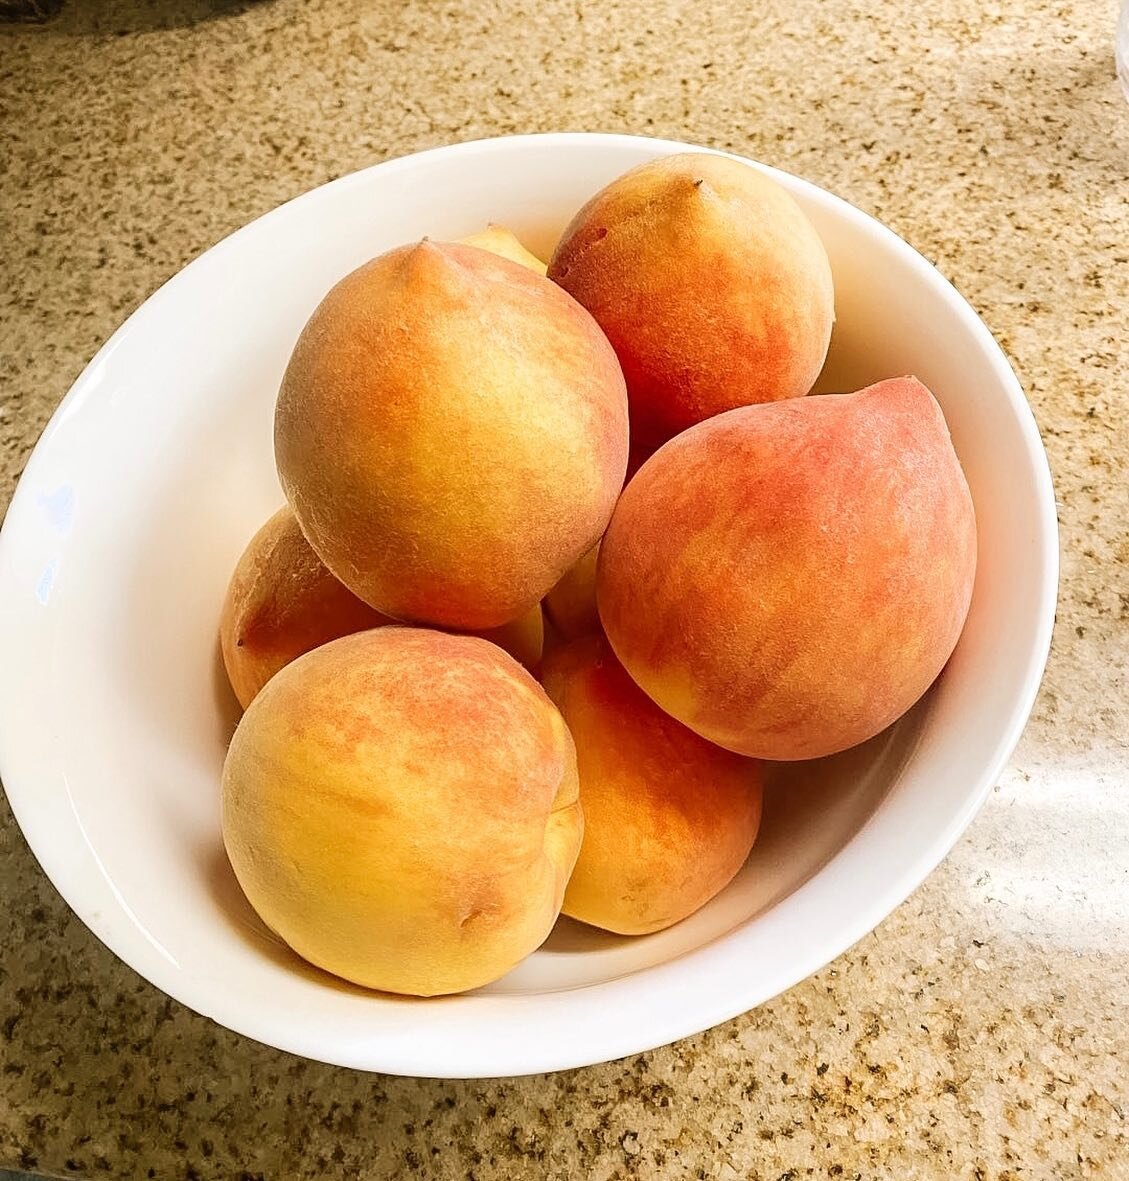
{"points": [[788, 579], [710, 282], [282, 602], [451, 432], [668, 817], [400, 806], [498, 240]]}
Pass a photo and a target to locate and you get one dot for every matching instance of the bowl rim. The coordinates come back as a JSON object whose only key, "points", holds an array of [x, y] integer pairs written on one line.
{"points": [[665, 1017]]}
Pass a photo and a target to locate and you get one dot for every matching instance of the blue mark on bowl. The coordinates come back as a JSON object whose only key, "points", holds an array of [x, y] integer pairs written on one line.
{"points": [[59, 507], [46, 581]]}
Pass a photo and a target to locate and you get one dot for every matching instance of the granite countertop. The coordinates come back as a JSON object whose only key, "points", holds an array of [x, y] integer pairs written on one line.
{"points": [[977, 1032]]}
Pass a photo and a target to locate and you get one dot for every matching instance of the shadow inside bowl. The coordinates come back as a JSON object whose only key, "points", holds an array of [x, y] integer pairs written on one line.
{"points": [[570, 937], [228, 709]]}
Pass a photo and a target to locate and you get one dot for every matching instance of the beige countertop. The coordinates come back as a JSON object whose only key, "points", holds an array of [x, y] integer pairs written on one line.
{"points": [[977, 1032]]}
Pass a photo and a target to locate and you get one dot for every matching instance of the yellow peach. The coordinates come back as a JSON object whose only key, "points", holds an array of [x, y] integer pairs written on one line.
{"points": [[788, 579], [669, 818], [282, 602], [451, 433], [498, 240], [712, 285], [400, 806]]}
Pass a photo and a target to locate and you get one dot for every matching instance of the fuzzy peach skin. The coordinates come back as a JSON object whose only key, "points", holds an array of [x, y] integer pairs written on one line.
{"points": [[711, 284], [282, 602], [498, 240], [571, 604], [451, 433], [668, 817], [400, 806], [789, 579]]}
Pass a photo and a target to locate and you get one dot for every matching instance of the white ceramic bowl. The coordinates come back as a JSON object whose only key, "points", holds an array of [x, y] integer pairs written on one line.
{"points": [[157, 467]]}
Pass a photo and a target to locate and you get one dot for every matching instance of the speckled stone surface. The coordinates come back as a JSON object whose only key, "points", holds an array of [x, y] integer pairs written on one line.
{"points": [[977, 1033]]}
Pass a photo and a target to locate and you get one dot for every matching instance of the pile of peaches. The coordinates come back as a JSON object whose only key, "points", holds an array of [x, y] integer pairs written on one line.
{"points": [[485, 680]]}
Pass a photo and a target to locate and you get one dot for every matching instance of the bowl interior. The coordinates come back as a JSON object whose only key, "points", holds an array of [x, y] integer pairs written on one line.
{"points": [[115, 714]]}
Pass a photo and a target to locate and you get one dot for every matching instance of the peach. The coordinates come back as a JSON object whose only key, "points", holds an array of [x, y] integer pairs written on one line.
{"points": [[710, 282], [668, 817], [523, 638], [788, 579], [498, 240], [571, 604], [451, 433], [282, 602], [400, 806]]}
